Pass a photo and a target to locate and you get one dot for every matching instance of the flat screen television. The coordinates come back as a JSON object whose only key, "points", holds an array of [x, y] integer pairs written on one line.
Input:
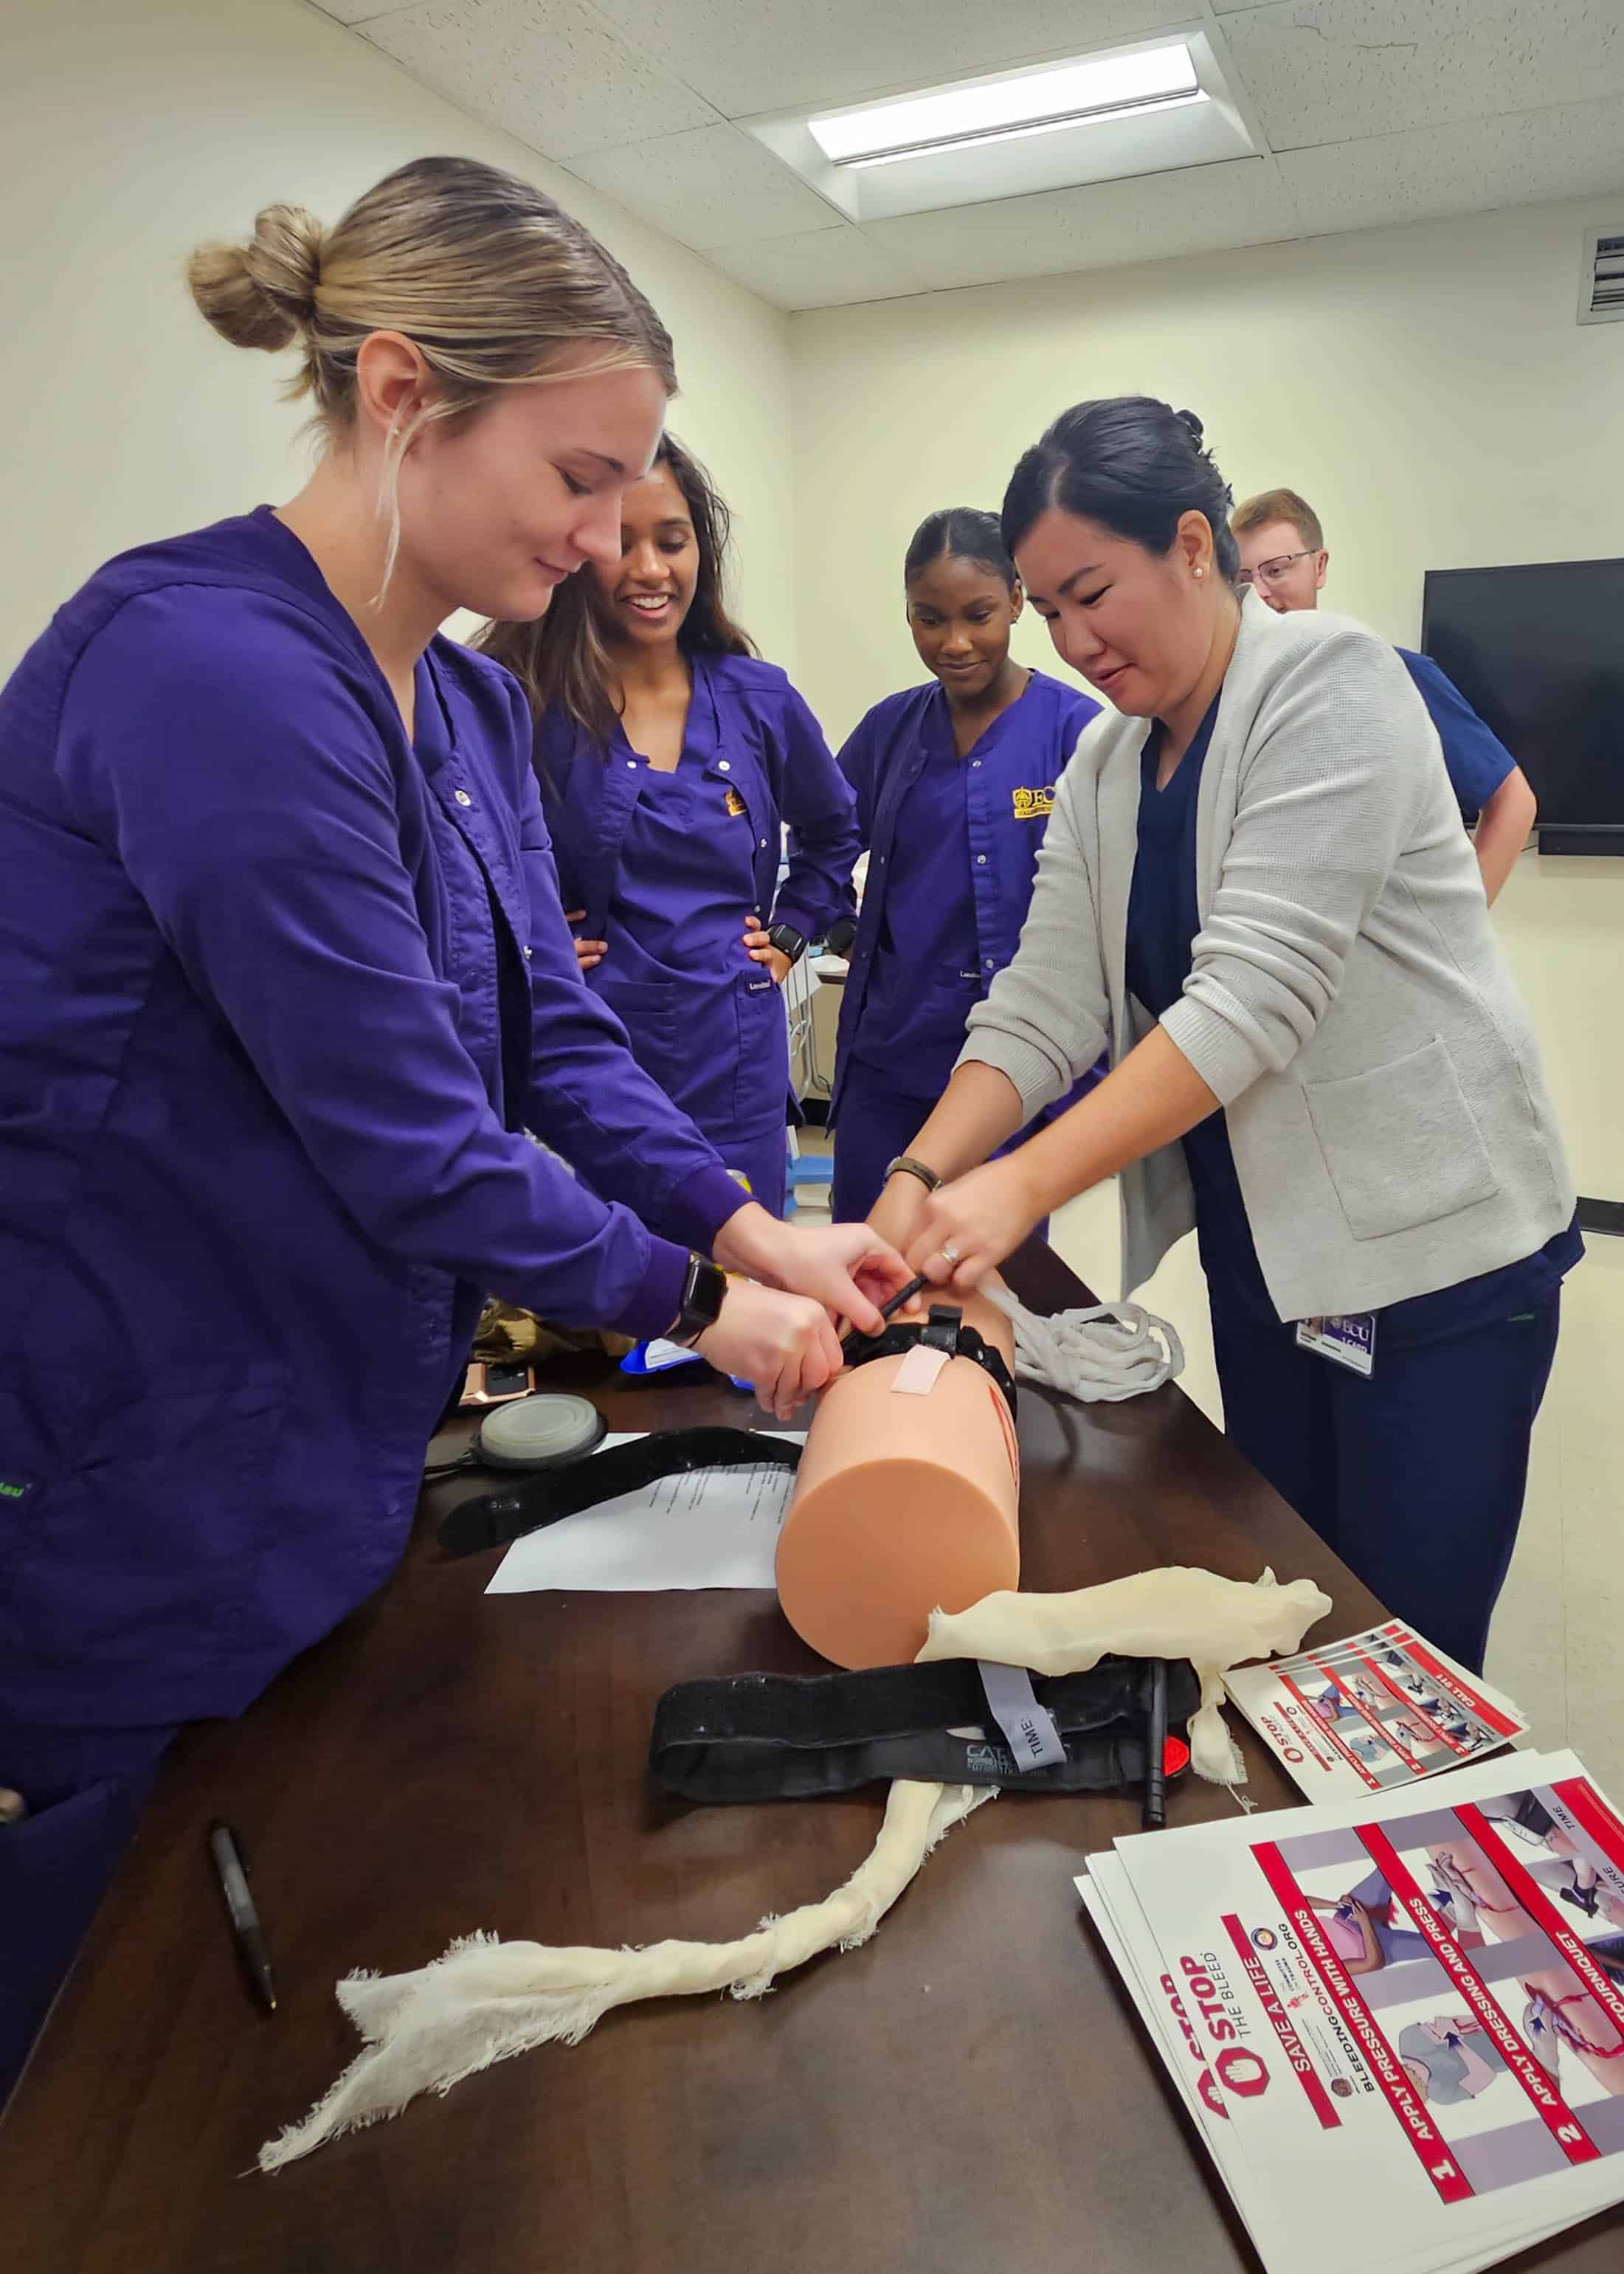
{"points": [[1538, 652]]}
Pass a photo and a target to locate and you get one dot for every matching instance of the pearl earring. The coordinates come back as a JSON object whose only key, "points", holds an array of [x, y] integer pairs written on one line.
{"points": [[1200, 572]]}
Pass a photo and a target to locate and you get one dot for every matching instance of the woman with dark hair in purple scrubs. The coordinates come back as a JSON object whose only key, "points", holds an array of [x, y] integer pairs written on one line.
{"points": [[954, 783], [669, 759]]}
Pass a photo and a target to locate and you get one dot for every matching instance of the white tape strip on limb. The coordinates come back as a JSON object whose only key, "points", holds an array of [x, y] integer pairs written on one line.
{"points": [[916, 1376], [1112, 1351], [485, 1999]]}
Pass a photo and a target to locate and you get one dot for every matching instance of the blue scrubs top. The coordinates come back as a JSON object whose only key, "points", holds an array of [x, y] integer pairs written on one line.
{"points": [[1163, 922], [1478, 760], [952, 852], [281, 989]]}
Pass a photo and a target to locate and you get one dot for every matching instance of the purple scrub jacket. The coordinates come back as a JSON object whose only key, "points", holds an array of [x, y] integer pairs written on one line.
{"points": [[280, 994], [1009, 793]]}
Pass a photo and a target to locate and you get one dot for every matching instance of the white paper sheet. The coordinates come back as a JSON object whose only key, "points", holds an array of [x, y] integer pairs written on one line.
{"points": [[712, 1528]]}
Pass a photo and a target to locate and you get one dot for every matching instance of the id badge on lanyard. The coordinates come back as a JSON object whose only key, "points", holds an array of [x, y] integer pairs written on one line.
{"points": [[1348, 1340]]}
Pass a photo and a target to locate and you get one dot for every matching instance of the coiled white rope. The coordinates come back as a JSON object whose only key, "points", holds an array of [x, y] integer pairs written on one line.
{"points": [[1102, 1355]]}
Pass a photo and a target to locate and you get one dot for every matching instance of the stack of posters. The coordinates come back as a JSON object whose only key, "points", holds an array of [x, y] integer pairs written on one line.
{"points": [[1378, 1710], [1398, 2025]]}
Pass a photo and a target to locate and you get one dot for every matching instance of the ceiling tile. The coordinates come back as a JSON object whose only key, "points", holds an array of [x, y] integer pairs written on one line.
{"points": [[1202, 209], [1427, 173], [820, 268], [1330, 71], [752, 56], [549, 72], [712, 185]]}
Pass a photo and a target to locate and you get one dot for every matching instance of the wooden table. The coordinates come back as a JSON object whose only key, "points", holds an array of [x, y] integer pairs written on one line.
{"points": [[969, 2094]]}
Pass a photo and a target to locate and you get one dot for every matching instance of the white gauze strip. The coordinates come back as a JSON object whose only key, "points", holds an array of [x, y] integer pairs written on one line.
{"points": [[1177, 1613]]}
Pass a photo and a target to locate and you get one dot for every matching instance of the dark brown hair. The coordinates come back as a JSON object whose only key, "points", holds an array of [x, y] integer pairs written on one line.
{"points": [[959, 532], [1133, 464], [561, 659]]}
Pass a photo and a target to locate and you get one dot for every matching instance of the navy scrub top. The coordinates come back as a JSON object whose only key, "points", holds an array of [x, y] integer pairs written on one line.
{"points": [[1476, 759], [1163, 921]]}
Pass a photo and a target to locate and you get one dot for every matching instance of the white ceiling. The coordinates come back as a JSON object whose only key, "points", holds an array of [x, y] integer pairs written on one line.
{"points": [[1364, 112]]}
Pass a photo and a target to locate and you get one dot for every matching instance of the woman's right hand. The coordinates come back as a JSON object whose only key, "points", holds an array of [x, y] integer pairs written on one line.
{"points": [[784, 1344], [588, 951]]}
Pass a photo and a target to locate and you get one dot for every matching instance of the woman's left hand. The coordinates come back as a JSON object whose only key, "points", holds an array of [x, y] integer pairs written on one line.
{"points": [[762, 950], [969, 1226]]}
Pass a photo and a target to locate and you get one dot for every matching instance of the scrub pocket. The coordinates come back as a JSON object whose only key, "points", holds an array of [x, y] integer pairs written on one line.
{"points": [[760, 1087], [946, 1003], [647, 1008], [138, 1541], [1401, 1144]]}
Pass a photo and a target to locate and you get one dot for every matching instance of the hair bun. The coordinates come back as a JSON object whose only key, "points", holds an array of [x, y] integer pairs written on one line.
{"points": [[261, 294], [1188, 418]]}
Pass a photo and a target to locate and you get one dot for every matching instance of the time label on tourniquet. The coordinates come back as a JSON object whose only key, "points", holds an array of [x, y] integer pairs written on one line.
{"points": [[1028, 1728]]}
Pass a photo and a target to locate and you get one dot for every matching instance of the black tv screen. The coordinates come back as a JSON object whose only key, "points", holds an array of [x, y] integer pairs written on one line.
{"points": [[1538, 652]]}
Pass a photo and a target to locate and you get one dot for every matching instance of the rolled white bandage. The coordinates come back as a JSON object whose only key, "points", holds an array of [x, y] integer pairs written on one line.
{"points": [[1103, 1355]]}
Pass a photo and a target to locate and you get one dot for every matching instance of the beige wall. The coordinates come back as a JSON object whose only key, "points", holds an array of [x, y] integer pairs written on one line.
{"points": [[129, 132], [1427, 389]]}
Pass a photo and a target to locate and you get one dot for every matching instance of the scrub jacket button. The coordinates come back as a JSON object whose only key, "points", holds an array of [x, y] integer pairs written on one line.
{"points": [[462, 797]]}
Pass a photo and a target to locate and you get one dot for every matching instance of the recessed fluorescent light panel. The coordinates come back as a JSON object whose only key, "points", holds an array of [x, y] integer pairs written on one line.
{"points": [[1157, 107], [1019, 103]]}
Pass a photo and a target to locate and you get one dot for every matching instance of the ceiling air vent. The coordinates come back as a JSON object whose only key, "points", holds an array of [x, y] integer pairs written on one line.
{"points": [[1601, 281]]}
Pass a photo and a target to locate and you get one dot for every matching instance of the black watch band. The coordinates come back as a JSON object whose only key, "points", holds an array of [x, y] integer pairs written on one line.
{"points": [[702, 1291], [787, 940]]}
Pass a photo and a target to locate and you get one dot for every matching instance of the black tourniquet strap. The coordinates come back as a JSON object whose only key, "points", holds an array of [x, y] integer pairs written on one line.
{"points": [[943, 1329], [493, 1518], [774, 1736]]}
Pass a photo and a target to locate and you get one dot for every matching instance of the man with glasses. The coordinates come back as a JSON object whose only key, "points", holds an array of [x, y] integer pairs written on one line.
{"points": [[1283, 553]]}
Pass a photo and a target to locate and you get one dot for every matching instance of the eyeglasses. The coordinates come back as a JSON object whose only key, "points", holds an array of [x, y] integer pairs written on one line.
{"points": [[1270, 572]]}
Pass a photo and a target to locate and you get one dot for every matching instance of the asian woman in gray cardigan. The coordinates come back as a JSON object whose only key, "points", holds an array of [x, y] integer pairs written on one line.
{"points": [[1255, 890]]}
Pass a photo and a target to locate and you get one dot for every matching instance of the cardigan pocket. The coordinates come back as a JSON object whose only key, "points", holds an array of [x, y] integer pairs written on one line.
{"points": [[1401, 1145]]}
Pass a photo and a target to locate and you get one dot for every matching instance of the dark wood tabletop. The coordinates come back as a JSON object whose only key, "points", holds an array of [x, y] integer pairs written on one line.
{"points": [[970, 2093]]}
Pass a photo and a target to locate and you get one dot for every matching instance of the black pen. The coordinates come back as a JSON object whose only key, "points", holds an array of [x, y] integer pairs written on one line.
{"points": [[244, 1919], [1155, 1749], [849, 1341]]}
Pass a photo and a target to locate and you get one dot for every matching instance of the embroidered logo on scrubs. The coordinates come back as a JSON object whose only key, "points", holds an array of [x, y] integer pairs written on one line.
{"points": [[1034, 804], [14, 1488], [733, 802]]}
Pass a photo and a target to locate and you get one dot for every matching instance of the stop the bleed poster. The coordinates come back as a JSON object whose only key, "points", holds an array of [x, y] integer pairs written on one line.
{"points": [[1402, 2030], [1373, 1712]]}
